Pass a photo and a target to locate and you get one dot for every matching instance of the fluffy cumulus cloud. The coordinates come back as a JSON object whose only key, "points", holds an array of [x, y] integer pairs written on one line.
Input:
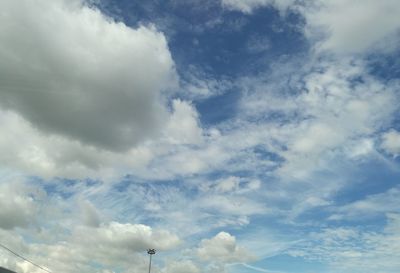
{"points": [[224, 249], [70, 71], [110, 246], [27, 149], [83, 95]]}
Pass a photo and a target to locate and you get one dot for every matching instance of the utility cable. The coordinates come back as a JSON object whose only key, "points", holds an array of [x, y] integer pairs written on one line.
{"points": [[25, 259]]}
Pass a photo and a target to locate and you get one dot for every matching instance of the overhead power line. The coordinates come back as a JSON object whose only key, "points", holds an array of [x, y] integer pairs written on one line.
{"points": [[23, 258]]}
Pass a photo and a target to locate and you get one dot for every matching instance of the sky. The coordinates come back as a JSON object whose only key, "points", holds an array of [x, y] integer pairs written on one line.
{"points": [[233, 136]]}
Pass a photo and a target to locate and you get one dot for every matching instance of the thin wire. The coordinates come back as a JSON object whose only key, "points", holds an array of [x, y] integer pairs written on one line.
{"points": [[23, 258]]}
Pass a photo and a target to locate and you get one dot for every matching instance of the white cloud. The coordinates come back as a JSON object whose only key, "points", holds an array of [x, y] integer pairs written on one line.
{"points": [[361, 148], [72, 72], [328, 110], [90, 215], [229, 184], [184, 126], [78, 104], [371, 206], [318, 127], [125, 237], [353, 26], [391, 142], [28, 150], [110, 246], [224, 249], [322, 117], [14, 242], [197, 85], [181, 208], [315, 126], [335, 111], [181, 267], [232, 205], [46, 229], [247, 6], [339, 26], [354, 249], [18, 205]]}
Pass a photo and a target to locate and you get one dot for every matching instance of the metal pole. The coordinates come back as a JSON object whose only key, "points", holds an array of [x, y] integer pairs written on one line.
{"points": [[151, 252], [150, 264]]}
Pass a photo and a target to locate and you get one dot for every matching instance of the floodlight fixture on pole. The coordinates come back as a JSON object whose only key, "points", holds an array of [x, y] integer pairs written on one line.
{"points": [[151, 252]]}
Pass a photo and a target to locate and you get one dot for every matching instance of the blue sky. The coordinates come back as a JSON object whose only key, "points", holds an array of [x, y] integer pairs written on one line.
{"points": [[231, 135]]}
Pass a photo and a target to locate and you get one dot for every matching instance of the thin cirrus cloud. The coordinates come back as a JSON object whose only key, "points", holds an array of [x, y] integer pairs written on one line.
{"points": [[250, 5], [374, 251]]}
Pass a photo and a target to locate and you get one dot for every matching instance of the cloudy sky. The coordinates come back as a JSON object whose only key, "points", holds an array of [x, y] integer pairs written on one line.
{"points": [[234, 136]]}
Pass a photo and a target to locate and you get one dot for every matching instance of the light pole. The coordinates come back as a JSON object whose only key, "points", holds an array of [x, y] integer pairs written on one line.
{"points": [[151, 252]]}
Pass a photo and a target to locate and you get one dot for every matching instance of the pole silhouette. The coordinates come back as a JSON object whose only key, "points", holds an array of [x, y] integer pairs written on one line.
{"points": [[151, 252]]}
